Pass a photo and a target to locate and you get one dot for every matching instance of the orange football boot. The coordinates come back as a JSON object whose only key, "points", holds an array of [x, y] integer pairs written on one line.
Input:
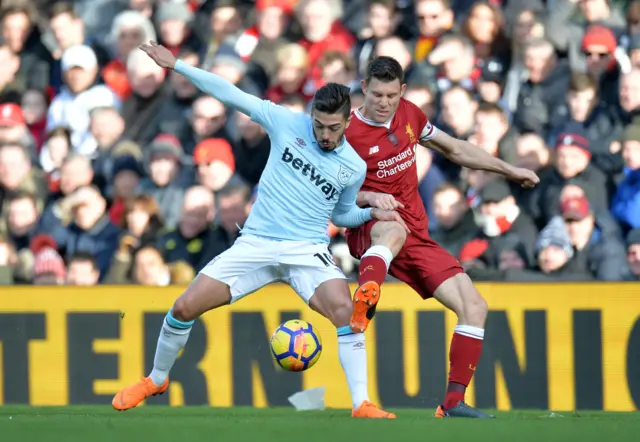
{"points": [[365, 299], [369, 411], [132, 395]]}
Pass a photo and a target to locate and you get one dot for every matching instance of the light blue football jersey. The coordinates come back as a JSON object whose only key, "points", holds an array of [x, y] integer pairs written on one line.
{"points": [[302, 187], [301, 184]]}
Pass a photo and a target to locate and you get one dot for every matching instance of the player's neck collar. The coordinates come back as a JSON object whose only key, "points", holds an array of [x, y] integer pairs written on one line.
{"points": [[361, 117]]}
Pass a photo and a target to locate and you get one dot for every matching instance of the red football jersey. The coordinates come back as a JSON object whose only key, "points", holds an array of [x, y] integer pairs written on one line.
{"points": [[390, 152]]}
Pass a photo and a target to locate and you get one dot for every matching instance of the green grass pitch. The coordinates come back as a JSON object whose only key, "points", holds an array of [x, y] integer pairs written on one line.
{"points": [[186, 424]]}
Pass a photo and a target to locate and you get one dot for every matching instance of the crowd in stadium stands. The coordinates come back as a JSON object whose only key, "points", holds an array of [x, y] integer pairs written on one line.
{"points": [[114, 171]]}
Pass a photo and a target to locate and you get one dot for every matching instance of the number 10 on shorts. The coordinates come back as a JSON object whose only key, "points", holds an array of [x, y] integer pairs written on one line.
{"points": [[325, 258]]}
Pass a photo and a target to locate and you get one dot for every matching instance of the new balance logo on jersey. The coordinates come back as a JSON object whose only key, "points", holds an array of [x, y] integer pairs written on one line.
{"points": [[374, 149], [307, 170]]}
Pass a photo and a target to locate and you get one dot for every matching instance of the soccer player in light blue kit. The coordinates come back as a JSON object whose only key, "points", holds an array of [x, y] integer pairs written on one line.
{"points": [[312, 176]]}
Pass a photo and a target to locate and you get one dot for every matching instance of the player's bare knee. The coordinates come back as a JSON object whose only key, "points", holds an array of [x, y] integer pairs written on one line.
{"points": [[390, 234], [475, 309], [182, 311], [341, 313]]}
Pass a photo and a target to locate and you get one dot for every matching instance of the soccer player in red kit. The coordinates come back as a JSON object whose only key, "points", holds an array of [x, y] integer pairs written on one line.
{"points": [[390, 134]]}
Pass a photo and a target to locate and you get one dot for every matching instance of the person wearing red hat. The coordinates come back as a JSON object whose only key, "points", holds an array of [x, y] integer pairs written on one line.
{"points": [[215, 163], [566, 33], [595, 238], [13, 128]]}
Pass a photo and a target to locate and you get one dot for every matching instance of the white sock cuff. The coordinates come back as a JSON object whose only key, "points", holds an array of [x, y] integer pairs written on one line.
{"points": [[175, 331], [380, 251], [470, 331], [349, 339]]}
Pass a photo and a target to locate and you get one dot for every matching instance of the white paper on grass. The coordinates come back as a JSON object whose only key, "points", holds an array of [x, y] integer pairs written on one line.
{"points": [[308, 400]]}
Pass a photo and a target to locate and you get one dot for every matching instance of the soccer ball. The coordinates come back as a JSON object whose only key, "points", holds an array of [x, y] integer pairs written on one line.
{"points": [[295, 345]]}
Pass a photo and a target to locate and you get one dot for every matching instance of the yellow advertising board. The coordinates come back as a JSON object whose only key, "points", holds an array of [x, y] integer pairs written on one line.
{"points": [[547, 346]]}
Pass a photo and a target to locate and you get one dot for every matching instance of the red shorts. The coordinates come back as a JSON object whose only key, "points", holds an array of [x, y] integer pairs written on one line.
{"points": [[422, 264]]}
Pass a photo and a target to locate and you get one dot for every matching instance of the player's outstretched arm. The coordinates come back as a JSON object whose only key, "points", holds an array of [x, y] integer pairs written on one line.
{"points": [[466, 154], [209, 83]]}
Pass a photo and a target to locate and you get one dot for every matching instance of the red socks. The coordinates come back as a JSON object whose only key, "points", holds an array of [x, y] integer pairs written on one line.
{"points": [[372, 268], [464, 354], [374, 265]]}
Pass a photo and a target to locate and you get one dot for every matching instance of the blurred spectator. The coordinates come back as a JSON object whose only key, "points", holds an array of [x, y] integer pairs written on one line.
{"points": [[177, 107], [34, 106], [83, 270], [17, 173], [484, 26], [599, 250], [13, 128], [208, 119], [149, 93], [626, 202], [322, 31], [49, 268], [181, 273], [234, 204], [127, 174], [435, 17], [251, 151], [630, 96], [72, 106], [456, 222], [21, 219], [225, 26], [107, 128], [87, 228], [165, 183], [292, 68], [340, 68], [215, 164], [149, 268], [68, 31], [456, 62], [500, 216], [633, 254], [22, 37], [12, 86], [188, 241], [544, 90], [8, 259], [572, 165], [129, 30], [492, 132], [382, 21], [566, 33], [420, 94], [57, 147], [173, 20], [259, 42]]}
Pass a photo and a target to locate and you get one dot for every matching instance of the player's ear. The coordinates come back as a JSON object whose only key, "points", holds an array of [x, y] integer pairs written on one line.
{"points": [[363, 86], [403, 88]]}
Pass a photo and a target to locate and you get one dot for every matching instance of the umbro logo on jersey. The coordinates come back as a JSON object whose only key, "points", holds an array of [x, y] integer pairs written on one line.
{"points": [[307, 170], [374, 149]]}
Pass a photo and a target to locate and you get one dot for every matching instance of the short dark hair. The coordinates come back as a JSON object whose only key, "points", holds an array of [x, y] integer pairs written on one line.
{"points": [[61, 8], [82, 256], [386, 69], [235, 187], [333, 98]]}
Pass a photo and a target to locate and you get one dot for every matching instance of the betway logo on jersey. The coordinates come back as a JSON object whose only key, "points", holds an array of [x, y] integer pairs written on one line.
{"points": [[307, 170], [403, 161]]}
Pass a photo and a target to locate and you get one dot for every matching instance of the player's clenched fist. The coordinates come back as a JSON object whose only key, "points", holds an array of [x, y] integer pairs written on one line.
{"points": [[525, 177], [383, 201], [161, 55], [388, 215]]}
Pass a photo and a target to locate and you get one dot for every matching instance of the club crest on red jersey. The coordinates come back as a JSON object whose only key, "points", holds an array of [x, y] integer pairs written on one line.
{"points": [[409, 131]]}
